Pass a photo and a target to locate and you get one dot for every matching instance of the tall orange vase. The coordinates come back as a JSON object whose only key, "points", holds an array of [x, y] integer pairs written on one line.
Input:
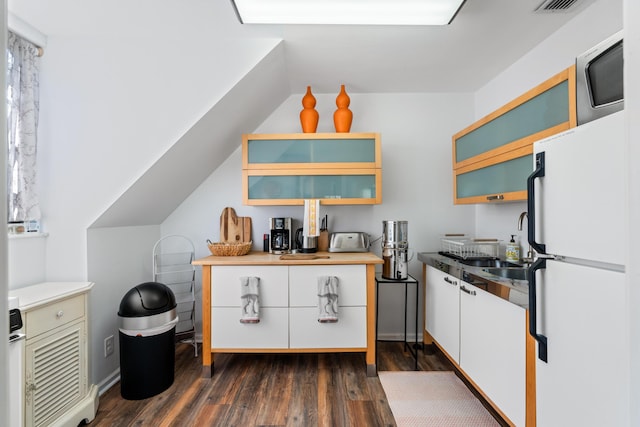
{"points": [[343, 117], [309, 116]]}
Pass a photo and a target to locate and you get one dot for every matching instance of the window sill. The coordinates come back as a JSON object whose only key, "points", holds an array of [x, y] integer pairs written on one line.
{"points": [[16, 236]]}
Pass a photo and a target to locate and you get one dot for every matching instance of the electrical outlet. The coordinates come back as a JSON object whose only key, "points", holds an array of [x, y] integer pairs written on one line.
{"points": [[108, 346]]}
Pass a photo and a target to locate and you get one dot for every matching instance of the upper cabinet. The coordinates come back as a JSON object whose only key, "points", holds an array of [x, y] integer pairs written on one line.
{"points": [[492, 158], [337, 168]]}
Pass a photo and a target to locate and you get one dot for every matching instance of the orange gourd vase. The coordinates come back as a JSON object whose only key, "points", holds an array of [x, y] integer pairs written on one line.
{"points": [[309, 116], [342, 117]]}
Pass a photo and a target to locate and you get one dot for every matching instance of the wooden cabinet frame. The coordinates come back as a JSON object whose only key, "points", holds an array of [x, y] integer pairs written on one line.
{"points": [[367, 259], [373, 168], [514, 149]]}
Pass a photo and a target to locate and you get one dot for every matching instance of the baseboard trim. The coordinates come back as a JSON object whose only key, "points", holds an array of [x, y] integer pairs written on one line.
{"points": [[399, 337], [108, 382]]}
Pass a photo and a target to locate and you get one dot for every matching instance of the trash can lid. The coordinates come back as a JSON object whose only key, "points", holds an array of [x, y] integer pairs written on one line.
{"points": [[147, 299]]}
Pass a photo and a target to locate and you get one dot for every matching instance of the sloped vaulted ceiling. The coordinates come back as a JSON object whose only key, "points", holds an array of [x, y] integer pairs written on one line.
{"points": [[198, 153], [485, 38]]}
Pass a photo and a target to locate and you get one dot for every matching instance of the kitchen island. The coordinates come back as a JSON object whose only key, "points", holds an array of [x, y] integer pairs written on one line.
{"points": [[288, 310]]}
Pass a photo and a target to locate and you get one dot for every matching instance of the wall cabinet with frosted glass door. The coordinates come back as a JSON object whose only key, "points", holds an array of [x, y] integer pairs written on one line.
{"points": [[337, 168], [492, 158]]}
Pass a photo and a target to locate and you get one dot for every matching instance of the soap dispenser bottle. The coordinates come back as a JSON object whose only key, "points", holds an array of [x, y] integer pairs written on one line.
{"points": [[513, 250]]}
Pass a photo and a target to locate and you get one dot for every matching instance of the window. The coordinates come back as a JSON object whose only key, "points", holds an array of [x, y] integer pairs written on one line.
{"points": [[22, 126]]}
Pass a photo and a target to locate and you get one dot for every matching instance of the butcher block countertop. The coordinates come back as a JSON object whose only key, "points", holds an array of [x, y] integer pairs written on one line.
{"points": [[265, 258]]}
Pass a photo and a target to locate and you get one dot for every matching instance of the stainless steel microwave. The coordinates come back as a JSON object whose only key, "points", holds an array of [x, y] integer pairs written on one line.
{"points": [[599, 80]]}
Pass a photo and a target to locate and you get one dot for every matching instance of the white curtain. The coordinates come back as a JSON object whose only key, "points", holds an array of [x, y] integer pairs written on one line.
{"points": [[22, 125]]}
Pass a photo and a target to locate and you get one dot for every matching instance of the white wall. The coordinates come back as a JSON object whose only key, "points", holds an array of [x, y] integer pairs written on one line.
{"points": [[556, 53], [120, 258], [27, 259], [416, 134], [110, 108], [595, 23]]}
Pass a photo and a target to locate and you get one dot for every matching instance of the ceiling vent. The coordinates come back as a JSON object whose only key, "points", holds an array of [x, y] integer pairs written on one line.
{"points": [[552, 6]]}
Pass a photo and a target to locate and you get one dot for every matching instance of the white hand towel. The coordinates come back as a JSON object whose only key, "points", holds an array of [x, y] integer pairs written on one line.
{"points": [[328, 299], [250, 299]]}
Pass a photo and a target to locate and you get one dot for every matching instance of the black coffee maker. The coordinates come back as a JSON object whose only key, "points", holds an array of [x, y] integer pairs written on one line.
{"points": [[280, 237]]}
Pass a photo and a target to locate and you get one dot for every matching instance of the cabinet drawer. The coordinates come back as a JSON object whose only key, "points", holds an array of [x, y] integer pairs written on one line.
{"points": [[349, 332], [50, 316], [225, 285], [352, 288], [228, 332]]}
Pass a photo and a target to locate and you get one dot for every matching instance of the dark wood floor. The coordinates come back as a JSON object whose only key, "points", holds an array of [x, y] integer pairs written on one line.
{"points": [[270, 390]]}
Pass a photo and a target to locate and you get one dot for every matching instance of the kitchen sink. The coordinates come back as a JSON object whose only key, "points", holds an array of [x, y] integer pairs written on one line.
{"points": [[488, 262], [509, 272]]}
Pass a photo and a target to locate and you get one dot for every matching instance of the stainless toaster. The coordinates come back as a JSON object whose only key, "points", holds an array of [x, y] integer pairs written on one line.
{"points": [[354, 241]]}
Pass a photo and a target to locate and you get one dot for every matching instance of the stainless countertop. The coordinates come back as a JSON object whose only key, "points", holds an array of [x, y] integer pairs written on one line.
{"points": [[512, 290]]}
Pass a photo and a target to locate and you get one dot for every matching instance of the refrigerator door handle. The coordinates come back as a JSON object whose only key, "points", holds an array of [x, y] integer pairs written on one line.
{"points": [[539, 264], [531, 204]]}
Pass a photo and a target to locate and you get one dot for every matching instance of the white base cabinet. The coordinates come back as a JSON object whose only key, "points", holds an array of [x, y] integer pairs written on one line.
{"points": [[484, 335], [288, 308], [56, 373]]}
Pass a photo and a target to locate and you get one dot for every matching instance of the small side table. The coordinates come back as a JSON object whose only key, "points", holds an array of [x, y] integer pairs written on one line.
{"points": [[409, 280]]}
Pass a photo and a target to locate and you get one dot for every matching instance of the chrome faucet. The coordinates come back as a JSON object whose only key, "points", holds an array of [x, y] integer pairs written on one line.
{"points": [[523, 215], [529, 258]]}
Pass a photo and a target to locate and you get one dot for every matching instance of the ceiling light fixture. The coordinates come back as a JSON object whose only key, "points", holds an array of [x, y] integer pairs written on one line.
{"points": [[347, 12]]}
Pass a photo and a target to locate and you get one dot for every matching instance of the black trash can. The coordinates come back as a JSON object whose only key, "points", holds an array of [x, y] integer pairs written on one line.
{"points": [[148, 319]]}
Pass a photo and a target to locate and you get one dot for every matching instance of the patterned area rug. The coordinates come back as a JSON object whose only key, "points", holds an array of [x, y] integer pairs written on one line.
{"points": [[433, 399]]}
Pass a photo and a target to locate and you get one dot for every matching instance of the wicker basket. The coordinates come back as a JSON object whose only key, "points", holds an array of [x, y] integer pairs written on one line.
{"points": [[229, 249]]}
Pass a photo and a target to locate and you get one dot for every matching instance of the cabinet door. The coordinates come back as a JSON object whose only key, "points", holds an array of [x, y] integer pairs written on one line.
{"points": [[55, 373], [442, 306], [492, 157], [492, 348], [311, 150], [495, 181], [533, 113], [331, 186], [337, 168], [225, 285]]}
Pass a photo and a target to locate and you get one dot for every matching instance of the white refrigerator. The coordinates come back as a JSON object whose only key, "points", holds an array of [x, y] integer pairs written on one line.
{"points": [[577, 292]]}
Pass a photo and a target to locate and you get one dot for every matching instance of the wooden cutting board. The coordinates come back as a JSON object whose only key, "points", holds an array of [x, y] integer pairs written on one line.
{"points": [[234, 228]]}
